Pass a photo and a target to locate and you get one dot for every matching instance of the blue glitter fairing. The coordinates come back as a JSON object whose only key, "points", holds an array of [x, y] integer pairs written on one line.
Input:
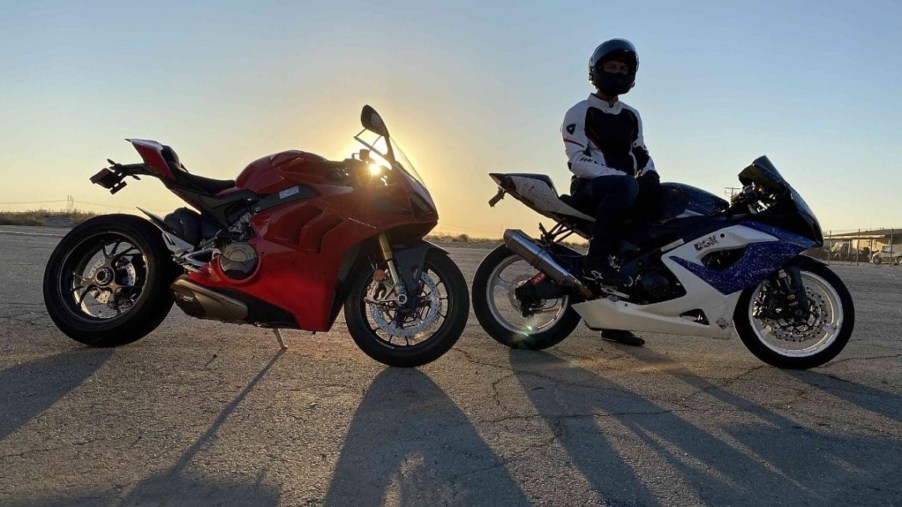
{"points": [[759, 260]]}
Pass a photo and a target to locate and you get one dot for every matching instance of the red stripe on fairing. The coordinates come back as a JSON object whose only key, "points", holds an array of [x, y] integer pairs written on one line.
{"points": [[573, 142]]}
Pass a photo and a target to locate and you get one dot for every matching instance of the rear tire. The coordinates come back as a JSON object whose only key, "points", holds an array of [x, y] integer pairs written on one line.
{"points": [[515, 335], [107, 264], [835, 321], [387, 348]]}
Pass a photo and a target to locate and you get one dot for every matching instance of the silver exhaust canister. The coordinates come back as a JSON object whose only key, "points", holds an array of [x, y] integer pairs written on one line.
{"points": [[538, 257]]}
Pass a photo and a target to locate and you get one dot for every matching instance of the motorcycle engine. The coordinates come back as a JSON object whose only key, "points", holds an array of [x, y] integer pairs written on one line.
{"points": [[238, 260], [653, 286], [189, 225]]}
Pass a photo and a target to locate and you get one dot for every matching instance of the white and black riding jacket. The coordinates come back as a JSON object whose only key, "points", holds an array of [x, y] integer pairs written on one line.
{"points": [[604, 140]]}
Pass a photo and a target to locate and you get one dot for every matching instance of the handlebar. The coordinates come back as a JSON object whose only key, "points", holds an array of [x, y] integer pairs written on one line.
{"points": [[754, 198]]}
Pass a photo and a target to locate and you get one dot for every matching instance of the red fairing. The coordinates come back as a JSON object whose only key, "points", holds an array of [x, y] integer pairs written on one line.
{"points": [[301, 245], [151, 152], [282, 170]]}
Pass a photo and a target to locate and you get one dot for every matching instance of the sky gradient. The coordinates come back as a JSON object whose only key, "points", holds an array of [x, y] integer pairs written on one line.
{"points": [[467, 88]]}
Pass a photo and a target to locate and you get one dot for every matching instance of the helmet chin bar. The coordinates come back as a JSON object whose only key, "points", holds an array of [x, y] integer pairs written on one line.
{"points": [[612, 84]]}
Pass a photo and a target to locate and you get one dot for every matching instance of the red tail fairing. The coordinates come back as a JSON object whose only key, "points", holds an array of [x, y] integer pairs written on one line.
{"points": [[152, 153]]}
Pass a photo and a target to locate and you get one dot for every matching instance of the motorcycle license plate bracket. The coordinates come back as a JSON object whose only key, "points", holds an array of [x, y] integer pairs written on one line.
{"points": [[109, 180]]}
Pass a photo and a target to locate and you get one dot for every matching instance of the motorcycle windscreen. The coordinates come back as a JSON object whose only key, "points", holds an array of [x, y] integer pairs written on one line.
{"points": [[763, 172]]}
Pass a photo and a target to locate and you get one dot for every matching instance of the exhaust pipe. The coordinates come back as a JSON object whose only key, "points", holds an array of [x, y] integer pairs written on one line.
{"points": [[203, 303], [536, 256]]}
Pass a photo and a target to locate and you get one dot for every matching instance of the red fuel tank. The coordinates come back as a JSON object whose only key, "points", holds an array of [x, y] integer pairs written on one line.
{"points": [[280, 171]]}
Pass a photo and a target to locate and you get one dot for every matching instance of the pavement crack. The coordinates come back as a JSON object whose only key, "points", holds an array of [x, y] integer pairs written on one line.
{"points": [[723, 384], [496, 394], [469, 357], [848, 359], [569, 383]]}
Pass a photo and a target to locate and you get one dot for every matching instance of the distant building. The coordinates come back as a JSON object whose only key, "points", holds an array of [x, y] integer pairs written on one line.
{"points": [[859, 245]]}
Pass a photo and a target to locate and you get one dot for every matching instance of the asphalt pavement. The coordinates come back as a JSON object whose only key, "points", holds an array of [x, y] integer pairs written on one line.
{"points": [[205, 413]]}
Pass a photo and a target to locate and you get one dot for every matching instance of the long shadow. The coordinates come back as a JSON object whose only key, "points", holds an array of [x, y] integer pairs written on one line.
{"points": [[409, 444], [573, 400], [823, 467], [868, 398], [176, 487], [28, 389]]}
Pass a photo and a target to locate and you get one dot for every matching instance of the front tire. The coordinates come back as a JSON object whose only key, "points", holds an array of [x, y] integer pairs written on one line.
{"points": [[498, 309], [798, 345], [425, 333], [107, 281]]}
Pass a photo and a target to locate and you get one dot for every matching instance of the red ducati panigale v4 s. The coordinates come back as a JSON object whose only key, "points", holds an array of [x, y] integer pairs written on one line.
{"points": [[286, 245]]}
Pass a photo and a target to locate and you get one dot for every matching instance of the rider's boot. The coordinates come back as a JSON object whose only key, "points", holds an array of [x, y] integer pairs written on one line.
{"points": [[597, 268]]}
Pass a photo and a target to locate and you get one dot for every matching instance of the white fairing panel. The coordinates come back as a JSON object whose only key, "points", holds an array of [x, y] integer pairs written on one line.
{"points": [[544, 199], [664, 317]]}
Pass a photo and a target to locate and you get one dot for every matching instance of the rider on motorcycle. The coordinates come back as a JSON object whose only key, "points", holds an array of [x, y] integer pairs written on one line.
{"points": [[612, 170]]}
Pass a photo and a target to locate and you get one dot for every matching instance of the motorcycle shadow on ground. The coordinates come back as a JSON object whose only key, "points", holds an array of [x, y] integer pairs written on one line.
{"points": [[869, 398], [774, 458], [177, 487], [29, 389], [410, 444]]}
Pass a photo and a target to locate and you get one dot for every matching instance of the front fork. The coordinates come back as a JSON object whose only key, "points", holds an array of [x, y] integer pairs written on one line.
{"points": [[790, 282], [388, 256]]}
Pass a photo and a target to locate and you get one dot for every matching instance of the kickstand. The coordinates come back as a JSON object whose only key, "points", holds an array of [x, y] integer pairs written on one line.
{"points": [[278, 334]]}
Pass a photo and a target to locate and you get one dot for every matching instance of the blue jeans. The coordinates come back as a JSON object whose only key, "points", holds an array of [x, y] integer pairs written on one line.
{"points": [[611, 198]]}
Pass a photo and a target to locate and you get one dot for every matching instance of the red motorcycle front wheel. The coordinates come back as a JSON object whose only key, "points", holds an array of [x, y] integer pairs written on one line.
{"points": [[409, 335]]}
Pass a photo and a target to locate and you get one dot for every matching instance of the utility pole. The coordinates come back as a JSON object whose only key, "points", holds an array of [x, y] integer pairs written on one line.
{"points": [[70, 204]]}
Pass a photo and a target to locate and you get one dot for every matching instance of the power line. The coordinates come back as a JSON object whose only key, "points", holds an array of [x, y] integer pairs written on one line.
{"points": [[107, 205], [32, 202]]}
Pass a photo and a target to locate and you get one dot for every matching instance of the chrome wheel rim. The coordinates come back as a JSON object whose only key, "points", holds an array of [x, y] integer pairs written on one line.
{"points": [[382, 308], [816, 334], [504, 306]]}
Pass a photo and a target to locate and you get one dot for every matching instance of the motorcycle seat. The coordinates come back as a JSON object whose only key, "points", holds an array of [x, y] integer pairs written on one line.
{"points": [[207, 185]]}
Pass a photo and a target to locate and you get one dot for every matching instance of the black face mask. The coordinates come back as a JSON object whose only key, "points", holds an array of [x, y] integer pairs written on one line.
{"points": [[612, 84]]}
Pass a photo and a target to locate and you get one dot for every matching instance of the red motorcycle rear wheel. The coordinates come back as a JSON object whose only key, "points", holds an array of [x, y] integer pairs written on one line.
{"points": [[107, 282]]}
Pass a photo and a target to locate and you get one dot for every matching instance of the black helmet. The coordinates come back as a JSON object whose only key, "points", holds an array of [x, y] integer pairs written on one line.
{"points": [[615, 84]]}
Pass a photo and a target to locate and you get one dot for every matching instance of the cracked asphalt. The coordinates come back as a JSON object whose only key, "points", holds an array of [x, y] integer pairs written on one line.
{"points": [[203, 413]]}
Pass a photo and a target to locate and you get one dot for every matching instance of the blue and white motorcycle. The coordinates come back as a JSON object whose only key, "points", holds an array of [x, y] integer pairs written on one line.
{"points": [[705, 267]]}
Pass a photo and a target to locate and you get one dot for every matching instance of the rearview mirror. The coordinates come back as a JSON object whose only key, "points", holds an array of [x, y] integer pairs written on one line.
{"points": [[372, 121]]}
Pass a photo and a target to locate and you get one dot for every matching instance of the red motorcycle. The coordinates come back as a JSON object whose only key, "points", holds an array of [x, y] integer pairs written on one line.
{"points": [[288, 243]]}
